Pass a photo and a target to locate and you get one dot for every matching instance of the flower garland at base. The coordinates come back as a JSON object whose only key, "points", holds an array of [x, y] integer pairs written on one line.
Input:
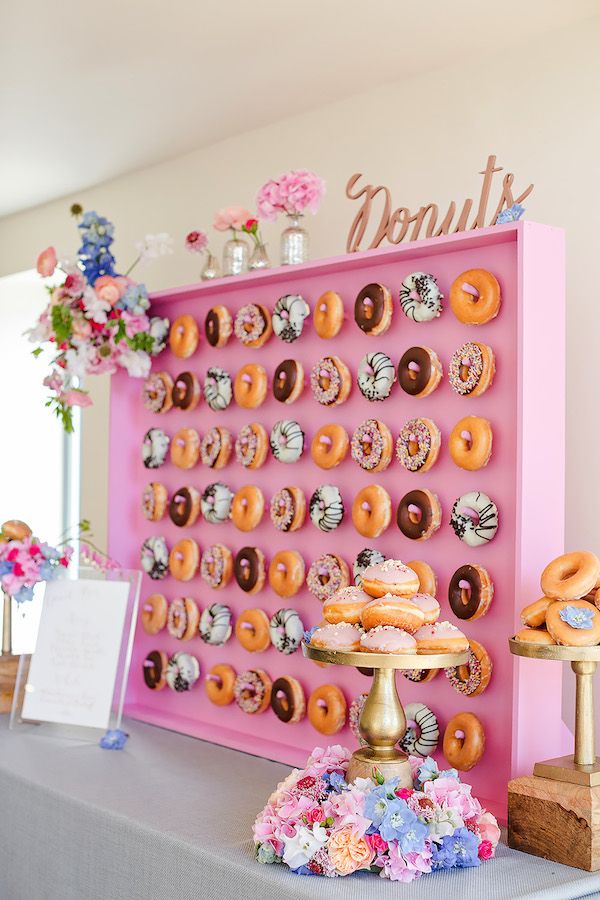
{"points": [[318, 824]]}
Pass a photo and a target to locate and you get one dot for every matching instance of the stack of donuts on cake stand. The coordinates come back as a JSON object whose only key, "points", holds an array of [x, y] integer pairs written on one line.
{"points": [[384, 625]]}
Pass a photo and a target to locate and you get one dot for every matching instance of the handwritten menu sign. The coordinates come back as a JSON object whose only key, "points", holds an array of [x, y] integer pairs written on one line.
{"points": [[73, 670]]}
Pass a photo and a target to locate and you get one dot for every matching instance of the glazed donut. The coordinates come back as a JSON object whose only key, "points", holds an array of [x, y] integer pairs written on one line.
{"points": [[218, 326], [422, 732], [215, 624], [15, 530], [470, 592], [372, 445], [371, 511], [185, 448], [326, 507], [534, 636], [574, 623], [474, 519], [155, 557], [571, 575], [327, 575], [183, 618], [247, 507], [186, 391], [183, 671], [330, 381], [375, 376], [420, 297], [418, 445], [216, 566], [419, 371], [288, 509], [388, 639], [419, 515], [464, 741], [534, 615], [472, 677], [252, 325], [184, 559], [426, 575], [215, 447], [154, 669], [154, 501], [373, 309], [441, 637], [252, 691], [328, 315], [346, 605], [287, 699], [184, 507], [327, 709], [219, 684], [392, 610], [249, 569], [154, 613], [286, 572], [287, 441], [250, 386], [217, 389], [251, 446], [470, 443], [183, 336], [390, 576], [367, 557], [428, 606], [289, 314], [286, 630], [472, 369], [252, 630], [420, 676], [329, 446], [475, 297], [288, 381], [157, 392], [215, 503]]}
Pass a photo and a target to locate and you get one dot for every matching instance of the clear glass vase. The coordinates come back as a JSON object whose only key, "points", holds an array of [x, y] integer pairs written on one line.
{"points": [[235, 256], [259, 258], [294, 241], [211, 269]]}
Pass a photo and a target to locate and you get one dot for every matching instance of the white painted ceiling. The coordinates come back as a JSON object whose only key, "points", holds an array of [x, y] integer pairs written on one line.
{"points": [[89, 90]]}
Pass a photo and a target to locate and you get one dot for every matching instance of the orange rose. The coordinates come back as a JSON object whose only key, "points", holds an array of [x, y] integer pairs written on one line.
{"points": [[349, 851]]}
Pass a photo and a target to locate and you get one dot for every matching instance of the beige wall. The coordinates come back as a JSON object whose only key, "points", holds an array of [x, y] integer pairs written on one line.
{"points": [[535, 107]]}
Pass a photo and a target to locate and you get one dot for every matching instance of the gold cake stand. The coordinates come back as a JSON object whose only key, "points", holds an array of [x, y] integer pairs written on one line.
{"points": [[584, 766], [383, 722]]}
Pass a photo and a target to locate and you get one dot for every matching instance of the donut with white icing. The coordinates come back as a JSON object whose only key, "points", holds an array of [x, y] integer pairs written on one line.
{"points": [[288, 317], [287, 441], [375, 376], [326, 507], [216, 503], [155, 447], [423, 730], [420, 297], [183, 671], [367, 557], [474, 518], [217, 388], [155, 557], [286, 630], [215, 624]]}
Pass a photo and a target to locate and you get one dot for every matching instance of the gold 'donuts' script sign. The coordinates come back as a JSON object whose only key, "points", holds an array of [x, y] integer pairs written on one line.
{"points": [[395, 225]]}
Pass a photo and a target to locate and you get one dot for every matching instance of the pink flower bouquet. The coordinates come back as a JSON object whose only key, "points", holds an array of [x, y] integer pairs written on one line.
{"points": [[318, 824], [24, 563], [293, 193]]}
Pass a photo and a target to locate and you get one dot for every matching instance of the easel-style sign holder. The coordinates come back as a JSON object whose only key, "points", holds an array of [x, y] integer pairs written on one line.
{"points": [[74, 684]]}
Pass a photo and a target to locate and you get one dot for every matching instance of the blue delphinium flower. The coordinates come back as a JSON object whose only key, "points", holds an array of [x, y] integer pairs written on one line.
{"points": [[460, 849], [429, 771], [413, 839], [397, 820], [376, 804], [5, 567], [309, 633], [135, 299], [113, 739], [23, 595], [50, 552], [94, 253], [512, 214], [577, 617], [337, 782]]}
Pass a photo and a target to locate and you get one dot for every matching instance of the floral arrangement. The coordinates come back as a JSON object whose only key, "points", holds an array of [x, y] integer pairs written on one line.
{"points": [[96, 320], [318, 824], [292, 193], [27, 561], [251, 226]]}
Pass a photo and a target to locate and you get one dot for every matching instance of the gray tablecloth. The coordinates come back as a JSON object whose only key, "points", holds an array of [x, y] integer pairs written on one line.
{"points": [[169, 818]]}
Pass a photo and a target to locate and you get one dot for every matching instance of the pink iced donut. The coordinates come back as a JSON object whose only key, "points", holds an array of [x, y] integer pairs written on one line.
{"points": [[337, 637], [429, 606], [388, 639], [442, 637]]}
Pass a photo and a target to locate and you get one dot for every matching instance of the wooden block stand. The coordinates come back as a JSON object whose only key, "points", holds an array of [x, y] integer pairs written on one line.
{"points": [[8, 675]]}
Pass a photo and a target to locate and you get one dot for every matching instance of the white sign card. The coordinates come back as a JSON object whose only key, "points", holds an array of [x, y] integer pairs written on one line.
{"points": [[73, 670]]}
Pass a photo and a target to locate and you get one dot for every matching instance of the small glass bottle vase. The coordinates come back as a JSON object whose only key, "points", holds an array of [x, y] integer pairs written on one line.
{"points": [[259, 258], [294, 241], [235, 256], [211, 268]]}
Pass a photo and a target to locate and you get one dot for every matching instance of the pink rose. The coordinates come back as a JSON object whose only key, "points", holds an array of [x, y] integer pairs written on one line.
{"points": [[109, 289], [449, 792], [46, 262], [486, 850], [315, 815], [349, 851], [75, 398], [488, 828], [230, 217], [377, 842]]}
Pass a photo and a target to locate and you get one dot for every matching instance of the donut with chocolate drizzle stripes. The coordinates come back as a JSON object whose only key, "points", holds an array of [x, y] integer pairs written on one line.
{"points": [[218, 326], [420, 297], [287, 699], [375, 376], [373, 309], [217, 388], [419, 371], [155, 447], [288, 381], [288, 317], [326, 507], [183, 671], [216, 502], [286, 630], [215, 624], [367, 557], [287, 441], [423, 731], [184, 507], [186, 391], [470, 592], [474, 518]]}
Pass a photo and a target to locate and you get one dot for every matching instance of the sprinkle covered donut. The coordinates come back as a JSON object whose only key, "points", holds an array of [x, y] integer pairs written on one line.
{"points": [[216, 503], [216, 566], [375, 376], [288, 509], [217, 388], [286, 630], [252, 691], [287, 441], [215, 447], [423, 730], [372, 446], [155, 447], [288, 317], [183, 671], [252, 446], [330, 381], [215, 624], [327, 575], [155, 557], [326, 507], [472, 677], [420, 297], [157, 392], [418, 445], [154, 501], [252, 325], [474, 518], [472, 369], [183, 618]]}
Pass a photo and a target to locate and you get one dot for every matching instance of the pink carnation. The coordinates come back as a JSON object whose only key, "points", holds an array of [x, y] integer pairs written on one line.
{"points": [[46, 262]]}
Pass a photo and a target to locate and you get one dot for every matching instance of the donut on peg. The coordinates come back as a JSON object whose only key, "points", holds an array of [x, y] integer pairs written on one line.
{"points": [[464, 741]]}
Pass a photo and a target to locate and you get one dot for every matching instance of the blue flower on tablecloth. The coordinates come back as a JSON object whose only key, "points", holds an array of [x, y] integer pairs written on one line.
{"points": [[378, 800], [398, 821], [578, 617], [303, 870], [309, 633], [460, 849], [512, 214], [114, 739]]}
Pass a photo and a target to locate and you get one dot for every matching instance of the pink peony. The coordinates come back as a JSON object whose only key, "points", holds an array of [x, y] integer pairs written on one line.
{"points": [[75, 398], [488, 828], [349, 851], [230, 217], [109, 289], [196, 241], [46, 262], [408, 866]]}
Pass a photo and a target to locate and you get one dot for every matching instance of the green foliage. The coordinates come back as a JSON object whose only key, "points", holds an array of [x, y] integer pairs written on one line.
{"points": [[62, 323], [37, 351], [141, 341]]}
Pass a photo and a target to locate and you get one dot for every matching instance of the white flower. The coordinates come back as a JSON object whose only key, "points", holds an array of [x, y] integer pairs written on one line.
{"points": [[137, 362], [363, 784], [154, 245], [68, 265], [77, 359], [96, 308], [299, 849], [39, 333], [444, 822]]}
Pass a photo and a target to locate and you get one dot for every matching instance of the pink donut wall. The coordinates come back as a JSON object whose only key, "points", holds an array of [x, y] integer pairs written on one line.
{"points": [[520, 710]]}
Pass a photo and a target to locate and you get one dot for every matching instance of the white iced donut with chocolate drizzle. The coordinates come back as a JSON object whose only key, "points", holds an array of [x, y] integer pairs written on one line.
{"points": [[217, 388], [474, 518], [183, 671], [155, 447], [288, 317], [287, 441], [367, 557], [286, 630], [155, 557], [423, 730], [215, 624], [326, 507], [420, 297], [375, 376], [215, 502]]}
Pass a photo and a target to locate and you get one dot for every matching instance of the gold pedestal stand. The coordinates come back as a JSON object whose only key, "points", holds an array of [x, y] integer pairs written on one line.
{"points": [[383, 723]]}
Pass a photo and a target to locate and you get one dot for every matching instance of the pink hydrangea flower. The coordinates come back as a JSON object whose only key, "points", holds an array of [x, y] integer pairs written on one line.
{"points": [[451, 793], [329, 759], [294, 192], [46, 262], [408, 866]]}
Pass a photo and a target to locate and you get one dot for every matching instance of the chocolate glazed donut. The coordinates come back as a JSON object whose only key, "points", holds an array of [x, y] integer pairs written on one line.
{"points": [[406, 523], [465, 604], [153, 674], [211, 328], [283, 707], [246, 568], [180, 507], [284, 380], [410, 385], [368, 316], [183, 390]]}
